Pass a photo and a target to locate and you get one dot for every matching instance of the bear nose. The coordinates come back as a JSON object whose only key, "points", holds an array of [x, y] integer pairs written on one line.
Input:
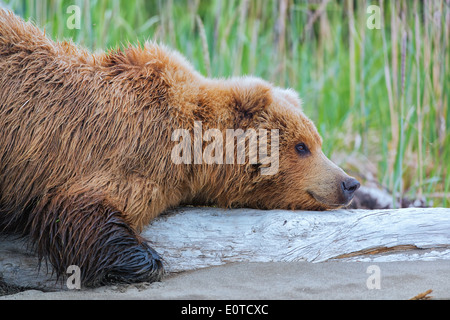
{"points": [[349, 186]]}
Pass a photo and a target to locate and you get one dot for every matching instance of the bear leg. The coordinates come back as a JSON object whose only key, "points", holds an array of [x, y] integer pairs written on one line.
{"points": [[88, 232]]}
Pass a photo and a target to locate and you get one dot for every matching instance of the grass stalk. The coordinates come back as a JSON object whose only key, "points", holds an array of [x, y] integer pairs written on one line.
{"points": [[418, 100], [206, 58], [378, 89]]}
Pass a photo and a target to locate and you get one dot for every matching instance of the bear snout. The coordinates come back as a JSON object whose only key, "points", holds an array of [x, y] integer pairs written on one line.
{"points": [[349, 186]]}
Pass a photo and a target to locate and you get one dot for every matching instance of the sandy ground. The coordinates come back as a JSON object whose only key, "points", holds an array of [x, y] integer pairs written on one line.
{"points": [[252, 254], [281, 280]]}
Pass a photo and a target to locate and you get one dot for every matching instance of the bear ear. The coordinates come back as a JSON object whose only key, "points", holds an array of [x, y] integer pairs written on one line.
{"points": [[290, 96], [251, 96]]}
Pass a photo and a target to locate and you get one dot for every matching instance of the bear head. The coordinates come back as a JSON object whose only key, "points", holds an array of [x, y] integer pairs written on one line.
{"points": [[302, 177]]}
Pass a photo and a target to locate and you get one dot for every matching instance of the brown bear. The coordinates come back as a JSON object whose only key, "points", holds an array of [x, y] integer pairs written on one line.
{"points": [[88, 154]]}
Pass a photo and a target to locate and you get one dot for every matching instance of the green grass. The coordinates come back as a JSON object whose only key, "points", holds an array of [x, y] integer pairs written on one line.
{"points": [[381, 103]]}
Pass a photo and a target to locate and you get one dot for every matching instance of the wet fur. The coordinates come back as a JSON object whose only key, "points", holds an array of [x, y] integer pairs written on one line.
{"points": [[85, 149]]}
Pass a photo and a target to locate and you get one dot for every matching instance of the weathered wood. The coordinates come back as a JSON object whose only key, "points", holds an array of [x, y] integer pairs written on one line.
{"points": [[200, 237], [191, 238], [19, 267]]}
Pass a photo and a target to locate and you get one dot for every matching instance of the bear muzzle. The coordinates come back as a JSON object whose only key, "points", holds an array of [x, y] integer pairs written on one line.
{"points": [[329, 185]]}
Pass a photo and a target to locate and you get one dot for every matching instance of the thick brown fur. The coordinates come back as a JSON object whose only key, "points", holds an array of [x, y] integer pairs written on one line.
{"points": [[85, 149]]}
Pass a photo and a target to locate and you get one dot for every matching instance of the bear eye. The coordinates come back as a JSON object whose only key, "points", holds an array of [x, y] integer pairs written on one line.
{"points": [[302, 149]]}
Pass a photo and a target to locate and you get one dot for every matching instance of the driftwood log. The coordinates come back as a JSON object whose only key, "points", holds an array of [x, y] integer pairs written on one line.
{"points": [[191, 238], [199, 237]]}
